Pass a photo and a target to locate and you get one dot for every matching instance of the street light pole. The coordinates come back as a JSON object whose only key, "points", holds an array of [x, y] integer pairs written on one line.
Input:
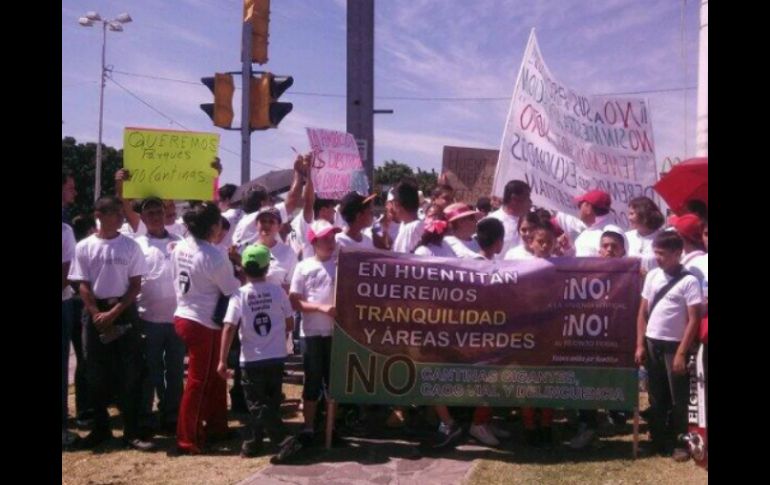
{"points": [[98, 175], [115, 26]]}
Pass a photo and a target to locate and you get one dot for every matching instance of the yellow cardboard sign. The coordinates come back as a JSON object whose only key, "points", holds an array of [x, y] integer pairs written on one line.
{"points": [[169, 164]]}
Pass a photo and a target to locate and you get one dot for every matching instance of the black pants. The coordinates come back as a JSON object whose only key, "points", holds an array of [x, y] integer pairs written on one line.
{"points": [[237, 401], [262, 390], [82, 400], [115, 366], [669, 393]]}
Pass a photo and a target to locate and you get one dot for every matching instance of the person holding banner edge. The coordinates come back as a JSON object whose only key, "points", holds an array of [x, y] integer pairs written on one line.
{"points": [[667, 326]]}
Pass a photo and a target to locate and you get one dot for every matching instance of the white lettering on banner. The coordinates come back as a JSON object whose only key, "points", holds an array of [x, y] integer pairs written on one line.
{"points": [[563, 143]]}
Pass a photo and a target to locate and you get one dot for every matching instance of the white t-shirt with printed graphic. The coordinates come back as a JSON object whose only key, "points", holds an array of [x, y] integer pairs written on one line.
{"points": [[107, 264], [668, 319], [67, 255], [314, 281], [262, 309], [201, 272], [157, 300]]}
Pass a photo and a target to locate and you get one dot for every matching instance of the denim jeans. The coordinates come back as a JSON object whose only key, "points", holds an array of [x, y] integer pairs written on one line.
{"points": [[164, 352]]}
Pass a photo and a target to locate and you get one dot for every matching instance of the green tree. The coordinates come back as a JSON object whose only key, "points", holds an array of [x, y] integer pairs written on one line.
{"points": [[392, 172], [80, 158]]}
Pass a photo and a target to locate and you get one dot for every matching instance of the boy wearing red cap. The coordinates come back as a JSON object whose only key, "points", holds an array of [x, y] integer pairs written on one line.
{"points": [[690, 228]]}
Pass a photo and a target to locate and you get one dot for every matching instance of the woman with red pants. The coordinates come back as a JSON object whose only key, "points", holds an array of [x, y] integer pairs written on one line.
{"points": [[201, 273]]}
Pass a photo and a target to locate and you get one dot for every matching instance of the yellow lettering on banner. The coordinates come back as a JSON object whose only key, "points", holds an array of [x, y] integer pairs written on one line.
{"points": [[169, 164]]}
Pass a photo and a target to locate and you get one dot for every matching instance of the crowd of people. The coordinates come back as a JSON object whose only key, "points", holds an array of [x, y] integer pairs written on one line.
{"points": [[143, 288]]}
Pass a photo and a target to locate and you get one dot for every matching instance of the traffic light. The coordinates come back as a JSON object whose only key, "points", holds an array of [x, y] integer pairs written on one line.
{"points": [[266, 111], [221, 111], [257, 13]]}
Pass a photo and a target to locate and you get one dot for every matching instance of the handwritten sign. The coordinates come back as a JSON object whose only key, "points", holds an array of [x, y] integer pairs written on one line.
{"points": [[337, 167], [470, 172], [563, 143], [169, 164]]}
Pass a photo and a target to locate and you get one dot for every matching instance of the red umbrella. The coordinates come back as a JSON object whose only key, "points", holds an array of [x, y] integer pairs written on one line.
{"points": [[686, 181]]}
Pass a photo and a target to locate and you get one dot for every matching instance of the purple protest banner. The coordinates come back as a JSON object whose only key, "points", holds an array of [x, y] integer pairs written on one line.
{"points": [[427, 330]]}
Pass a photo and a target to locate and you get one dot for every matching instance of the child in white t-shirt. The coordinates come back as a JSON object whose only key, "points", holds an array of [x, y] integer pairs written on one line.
{"points": [[312, 293], [667, 325], [262, 315]]}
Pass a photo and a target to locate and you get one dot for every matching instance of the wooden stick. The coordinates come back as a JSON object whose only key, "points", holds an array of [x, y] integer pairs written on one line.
{"points": [[330, 409], [636, 433]]}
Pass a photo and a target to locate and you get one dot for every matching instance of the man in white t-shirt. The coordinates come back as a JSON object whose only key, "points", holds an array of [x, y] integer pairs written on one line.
{"points": [[257, 196], [67, 255], [312, 293], [109, 267], [261, 314], [594, 210], [356, 210], [516, 203], [667, 326], [406, 202], [133, 226], [164, 349]]}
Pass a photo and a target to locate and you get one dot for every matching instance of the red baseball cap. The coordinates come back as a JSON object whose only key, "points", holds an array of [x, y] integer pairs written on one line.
{"points": [[597, 198], [689, 226]]}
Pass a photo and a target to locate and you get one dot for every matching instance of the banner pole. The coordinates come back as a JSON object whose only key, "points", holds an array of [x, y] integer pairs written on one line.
{"points": [[330, 409], [636, 433]]}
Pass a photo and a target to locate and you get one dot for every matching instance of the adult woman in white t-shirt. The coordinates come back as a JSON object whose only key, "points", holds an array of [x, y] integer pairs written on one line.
{"points": [[201, 272], [646, 219]]}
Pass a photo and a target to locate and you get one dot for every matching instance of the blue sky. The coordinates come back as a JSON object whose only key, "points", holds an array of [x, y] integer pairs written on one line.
{"points": [[423, 48]]}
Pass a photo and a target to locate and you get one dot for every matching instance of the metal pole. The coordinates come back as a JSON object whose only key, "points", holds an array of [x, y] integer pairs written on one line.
{"points": [[360, 78], [702, 120], [98, 175], [246, 105]]}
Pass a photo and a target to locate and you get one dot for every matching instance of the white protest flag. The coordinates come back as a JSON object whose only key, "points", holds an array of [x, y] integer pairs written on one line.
{"points": [[563, 143]]}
